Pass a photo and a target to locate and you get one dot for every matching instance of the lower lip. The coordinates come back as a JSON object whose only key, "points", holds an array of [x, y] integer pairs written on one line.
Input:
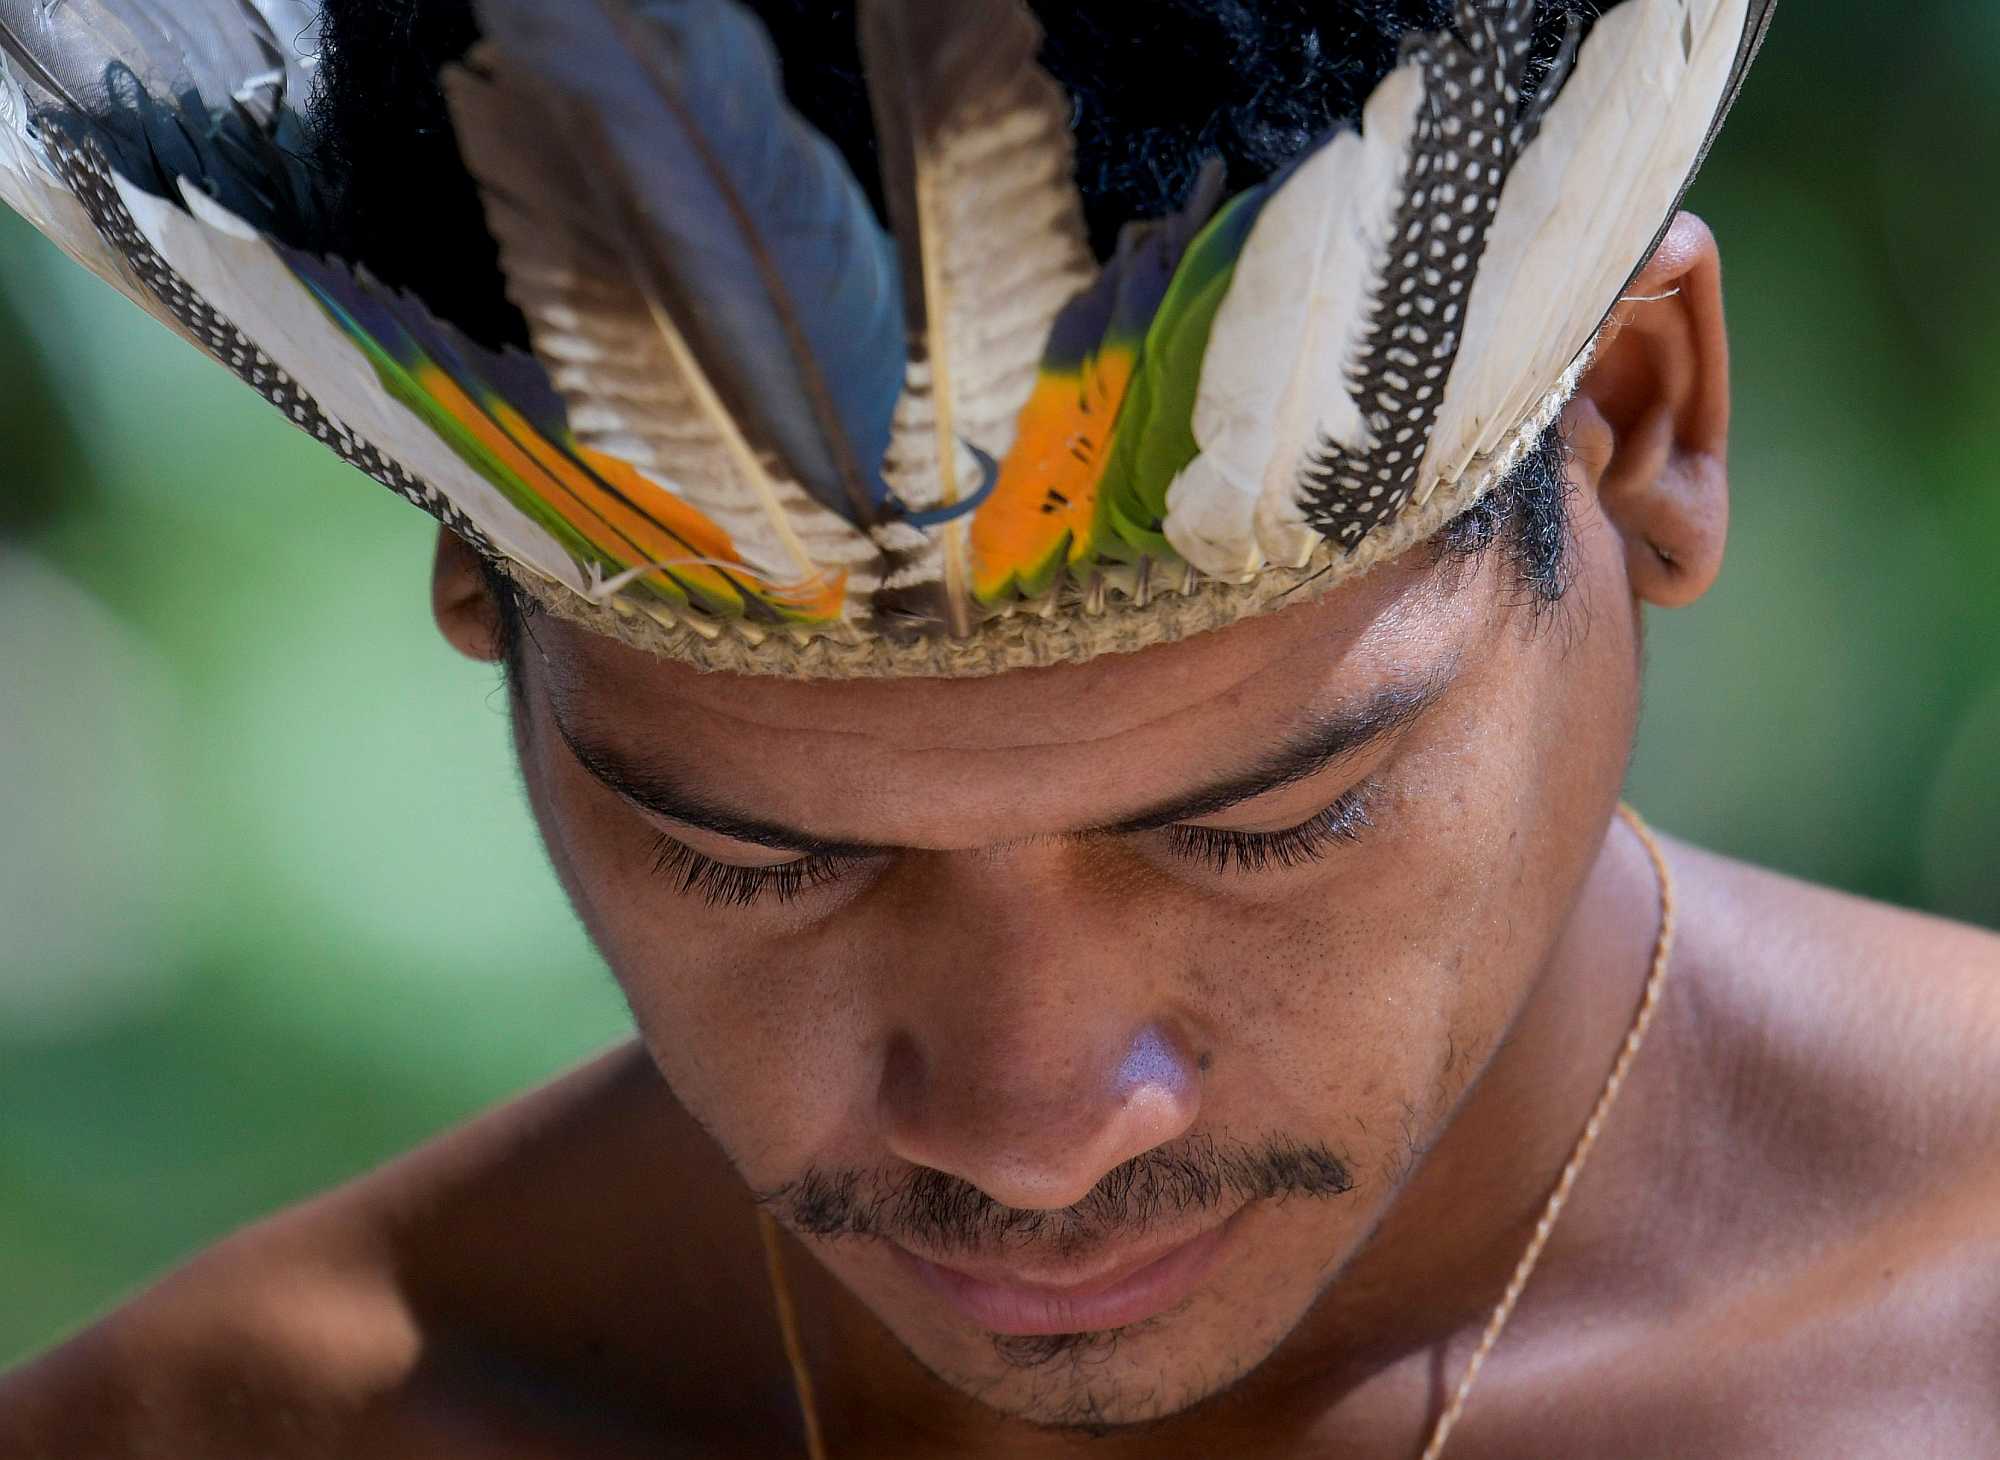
{"points": [[1023, 1310]]}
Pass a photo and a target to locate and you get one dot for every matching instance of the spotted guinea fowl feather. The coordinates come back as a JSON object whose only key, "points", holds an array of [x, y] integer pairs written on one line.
{"points": [[119, 151], [723, 325], [1509, 204], [1648, 92], [194, 199], [87, 61], [1339, 430], [633, 387], [977, 168], [238, 274], [1472, 132], [744, 224]]}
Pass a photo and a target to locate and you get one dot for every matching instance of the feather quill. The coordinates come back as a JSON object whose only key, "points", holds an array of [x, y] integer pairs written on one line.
{"points": [[295, 26], [715, 305], [485, 428], [1446, 339], [977, 167], [223, 50], [479, 439], [633, 386], [744, 224]]}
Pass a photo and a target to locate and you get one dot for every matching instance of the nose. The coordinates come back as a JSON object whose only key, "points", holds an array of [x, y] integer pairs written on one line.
{"points": [[1037, 1127], [1035, 1066]]}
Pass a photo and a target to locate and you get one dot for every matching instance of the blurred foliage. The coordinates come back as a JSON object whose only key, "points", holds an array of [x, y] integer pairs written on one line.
{"points": [[1833, 708], [273, 908], [45, 473]]}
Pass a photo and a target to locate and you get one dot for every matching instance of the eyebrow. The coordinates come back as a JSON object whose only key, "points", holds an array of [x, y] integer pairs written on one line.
{"points": [[1329, 740], [670, 797]]}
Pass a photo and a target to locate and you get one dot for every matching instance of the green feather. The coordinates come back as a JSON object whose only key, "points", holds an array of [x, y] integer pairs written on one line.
{"points": [[1155, 441]]}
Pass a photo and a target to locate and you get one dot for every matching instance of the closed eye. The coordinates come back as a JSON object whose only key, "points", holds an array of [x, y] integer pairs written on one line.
{"points": [[1258, 851], [726, 884]]}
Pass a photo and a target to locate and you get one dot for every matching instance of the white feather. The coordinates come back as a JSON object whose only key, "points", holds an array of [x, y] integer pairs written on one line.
{"points": [[1274, 380], [1581, 206], [238, 274]]}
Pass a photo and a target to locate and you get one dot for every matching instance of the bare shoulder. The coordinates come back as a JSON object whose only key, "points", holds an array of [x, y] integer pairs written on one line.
{"points": [[1835, 1174], [522, 1286], [1891, 1018], [268, 1343]]}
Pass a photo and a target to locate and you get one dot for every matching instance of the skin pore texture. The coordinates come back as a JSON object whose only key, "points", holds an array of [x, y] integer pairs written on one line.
{"points": [[1034, 1017]]}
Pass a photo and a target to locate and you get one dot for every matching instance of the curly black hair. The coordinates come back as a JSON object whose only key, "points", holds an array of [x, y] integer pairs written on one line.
{"points": [[1157, 89]]}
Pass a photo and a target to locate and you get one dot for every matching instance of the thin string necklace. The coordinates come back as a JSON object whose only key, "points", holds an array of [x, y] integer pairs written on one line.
{"points": [[1649, 1003]]}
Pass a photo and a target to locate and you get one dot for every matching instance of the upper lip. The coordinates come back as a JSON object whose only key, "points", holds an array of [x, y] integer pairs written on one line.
{"points": [[1075, 1280]]}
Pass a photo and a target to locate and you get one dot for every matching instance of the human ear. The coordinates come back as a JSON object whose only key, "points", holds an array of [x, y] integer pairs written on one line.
{"points": [[1650, 424], [462, 603]]}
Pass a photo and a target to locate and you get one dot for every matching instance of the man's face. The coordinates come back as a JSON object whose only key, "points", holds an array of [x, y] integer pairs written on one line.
{"points": [[1116, 1000]]}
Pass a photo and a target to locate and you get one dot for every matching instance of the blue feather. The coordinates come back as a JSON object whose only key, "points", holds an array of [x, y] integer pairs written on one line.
{"points": [[744, 219]]}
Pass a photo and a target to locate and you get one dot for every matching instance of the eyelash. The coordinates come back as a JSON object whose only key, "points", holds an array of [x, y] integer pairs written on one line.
{"points": [[719, 884], [1258, 851]]}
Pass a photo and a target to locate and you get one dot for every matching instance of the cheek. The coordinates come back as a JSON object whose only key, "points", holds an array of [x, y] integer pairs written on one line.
{"points": [[762, 1040], [1363, 1009], [1356, 1016], [771, 1049]]}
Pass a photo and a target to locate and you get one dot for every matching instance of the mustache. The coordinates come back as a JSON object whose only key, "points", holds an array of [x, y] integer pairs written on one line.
{"points": [[935, 1211]]}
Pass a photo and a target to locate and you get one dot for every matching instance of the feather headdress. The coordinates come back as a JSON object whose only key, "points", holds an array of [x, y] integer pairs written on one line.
{"points": [[760, 430]]}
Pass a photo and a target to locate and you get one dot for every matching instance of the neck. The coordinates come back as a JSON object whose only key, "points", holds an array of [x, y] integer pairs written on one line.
{"points": [[1400, 1319]]}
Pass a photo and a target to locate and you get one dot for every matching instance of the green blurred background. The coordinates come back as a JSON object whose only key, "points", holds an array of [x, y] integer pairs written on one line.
{"points": [[271, 908]]}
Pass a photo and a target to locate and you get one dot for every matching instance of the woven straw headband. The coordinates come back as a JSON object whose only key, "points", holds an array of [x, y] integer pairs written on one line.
{"points": [[1121, 617]]}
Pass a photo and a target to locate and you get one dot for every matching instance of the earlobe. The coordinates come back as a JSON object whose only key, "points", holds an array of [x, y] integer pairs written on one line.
{"points": [[1650, 426], [462, 603]]}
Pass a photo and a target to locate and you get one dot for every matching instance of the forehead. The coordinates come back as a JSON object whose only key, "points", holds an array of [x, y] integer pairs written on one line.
{"points": [[952, 763]]}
